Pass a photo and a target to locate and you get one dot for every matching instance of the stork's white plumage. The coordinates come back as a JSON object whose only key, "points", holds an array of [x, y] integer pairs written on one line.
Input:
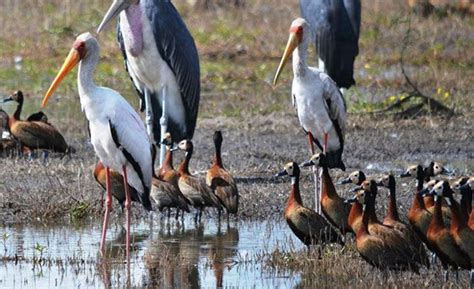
{"points": [[117, 132], [318, 101]]}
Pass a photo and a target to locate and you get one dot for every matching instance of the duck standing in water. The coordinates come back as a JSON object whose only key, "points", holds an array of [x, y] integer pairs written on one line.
{"points": [[221, 181]]}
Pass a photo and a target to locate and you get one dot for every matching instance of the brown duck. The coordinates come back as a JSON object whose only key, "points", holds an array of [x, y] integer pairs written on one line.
{"points": [[193, 188], [392, 219], [463, 235], [377, 250], [116, 181], [310, 227], [165, 189], [221, 181], [441, 240], [332, 205], [36, 134], [354, 220], [466, 197]]}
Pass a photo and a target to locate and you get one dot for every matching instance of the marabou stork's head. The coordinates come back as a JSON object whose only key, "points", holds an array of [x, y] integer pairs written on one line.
{"points": [[114, 10], [299, 31], [84, 46]]}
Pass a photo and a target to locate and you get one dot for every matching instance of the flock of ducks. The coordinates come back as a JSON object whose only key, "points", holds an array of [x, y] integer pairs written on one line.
{"points": [[436, 219], [171, 188], [178, 188]]}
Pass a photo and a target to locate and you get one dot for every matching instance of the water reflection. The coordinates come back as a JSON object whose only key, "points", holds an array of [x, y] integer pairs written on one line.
{"points": [[172, 259], [172, 255]]}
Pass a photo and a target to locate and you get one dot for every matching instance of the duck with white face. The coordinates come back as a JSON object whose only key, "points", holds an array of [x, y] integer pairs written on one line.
{"points": [[309, 226], [193, 188], [332, 205], [466, 195], [356, 178], [457, 241]]}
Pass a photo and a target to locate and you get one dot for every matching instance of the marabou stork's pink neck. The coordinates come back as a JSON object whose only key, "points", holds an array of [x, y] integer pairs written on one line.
{"points": [[133, 29], [299, 58]]}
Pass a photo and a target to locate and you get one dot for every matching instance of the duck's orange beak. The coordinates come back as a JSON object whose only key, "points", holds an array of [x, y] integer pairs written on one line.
{"points": [[71, 61], [293, 42]]}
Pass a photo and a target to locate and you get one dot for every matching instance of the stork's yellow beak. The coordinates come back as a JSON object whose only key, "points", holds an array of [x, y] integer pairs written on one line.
{"points": [[71, 61], [293, 42]]}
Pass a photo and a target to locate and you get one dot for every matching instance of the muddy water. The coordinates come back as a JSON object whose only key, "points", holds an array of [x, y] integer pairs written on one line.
{"points": [[165, 254]]}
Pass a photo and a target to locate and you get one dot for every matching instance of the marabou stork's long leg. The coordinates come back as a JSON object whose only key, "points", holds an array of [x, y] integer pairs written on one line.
{"points": [[149, 116], [163, 124], [315, 173], [128, 203], [108, 204]]}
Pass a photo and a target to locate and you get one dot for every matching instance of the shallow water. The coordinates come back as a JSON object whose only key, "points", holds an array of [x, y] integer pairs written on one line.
{"points": [[165, 255]]}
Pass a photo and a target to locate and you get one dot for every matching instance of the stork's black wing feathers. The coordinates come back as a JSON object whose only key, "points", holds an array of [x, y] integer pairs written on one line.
{"points": [[176, 46]]}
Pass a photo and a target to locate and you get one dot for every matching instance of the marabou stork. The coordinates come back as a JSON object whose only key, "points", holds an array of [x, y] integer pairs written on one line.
{"points": [[162, 61], [335, 25], [319, 103], [118, 135]]}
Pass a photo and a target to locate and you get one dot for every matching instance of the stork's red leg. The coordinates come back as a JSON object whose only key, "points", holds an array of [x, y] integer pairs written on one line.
{"points": [[315, 172], [325, 149], [127, 207], [108, 204]]}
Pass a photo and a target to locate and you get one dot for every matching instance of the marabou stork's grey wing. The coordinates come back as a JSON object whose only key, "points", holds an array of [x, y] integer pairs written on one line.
{"points": [[321, 17], [353, 9], [346, 20], [335, 103], [132, 75], [176, 46]]}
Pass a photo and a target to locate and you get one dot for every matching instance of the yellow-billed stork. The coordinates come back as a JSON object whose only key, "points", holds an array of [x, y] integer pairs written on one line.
{"points": [[118, 135], [319, 103]]}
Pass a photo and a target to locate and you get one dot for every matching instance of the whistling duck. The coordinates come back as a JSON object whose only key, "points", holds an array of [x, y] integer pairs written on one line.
{"points": [[441, 240], [34, 134], [393, 220], [387, 233], [376, 249], [420, 217], [221, 181], [116, 180], [306, 224], [193, 188], [466, 197], [332, 205], [165, 189], [463, 235], [467, 189], [354, 219], [423, 175]]}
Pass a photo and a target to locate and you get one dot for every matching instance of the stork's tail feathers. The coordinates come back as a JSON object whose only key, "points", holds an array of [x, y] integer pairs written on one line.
{"points": [[334, 160], [145, 199]]}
